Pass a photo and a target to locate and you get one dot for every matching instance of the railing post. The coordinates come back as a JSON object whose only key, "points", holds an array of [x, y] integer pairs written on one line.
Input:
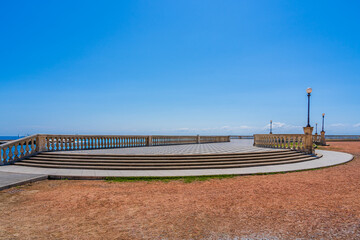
{"points": [[198, 140], [149, 141], [40, 143], [308, 145], [322, 140]]}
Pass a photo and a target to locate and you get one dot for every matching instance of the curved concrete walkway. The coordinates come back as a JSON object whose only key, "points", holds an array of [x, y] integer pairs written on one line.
{"points": [[330, 158]]}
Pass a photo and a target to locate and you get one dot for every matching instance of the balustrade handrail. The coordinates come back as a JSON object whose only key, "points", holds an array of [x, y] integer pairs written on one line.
{"points": [[17, 140], [24, 147], [279, 134]]}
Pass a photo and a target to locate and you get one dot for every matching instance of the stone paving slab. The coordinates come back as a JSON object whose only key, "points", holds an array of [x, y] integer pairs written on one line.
{"points": [[10, 179], [235, 146], [330, 158]]}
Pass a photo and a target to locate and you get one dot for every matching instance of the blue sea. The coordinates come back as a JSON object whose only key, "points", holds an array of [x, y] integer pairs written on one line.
{"points": [[10, 137]]}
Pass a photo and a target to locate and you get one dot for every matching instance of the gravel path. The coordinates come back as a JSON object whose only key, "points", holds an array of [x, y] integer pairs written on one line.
{"points": [[319, 204]]}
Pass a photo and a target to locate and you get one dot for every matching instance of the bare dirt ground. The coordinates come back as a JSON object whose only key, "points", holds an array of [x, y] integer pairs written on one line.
{"points": [[318, 204]]}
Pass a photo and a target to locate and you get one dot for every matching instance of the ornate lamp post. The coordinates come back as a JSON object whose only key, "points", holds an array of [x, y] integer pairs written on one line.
{"points": [[270, 126], [309, 90], [323, 142], [316, 128], [308, 129]]}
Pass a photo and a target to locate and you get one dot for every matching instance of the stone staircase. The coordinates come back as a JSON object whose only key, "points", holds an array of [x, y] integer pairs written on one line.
{"points": [[163, 162]]}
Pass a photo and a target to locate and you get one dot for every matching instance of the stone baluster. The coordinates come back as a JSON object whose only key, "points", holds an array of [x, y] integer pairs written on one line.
{"points": [[73, 143], [4, 156], [16, 151], [77, 143], [32, 145], [51, 142], [68, 141], [59, 143], [62, 143], [22, 150]]}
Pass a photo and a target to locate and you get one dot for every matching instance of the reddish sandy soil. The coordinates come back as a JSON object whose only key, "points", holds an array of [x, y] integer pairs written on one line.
{"points": [[319, 204]]}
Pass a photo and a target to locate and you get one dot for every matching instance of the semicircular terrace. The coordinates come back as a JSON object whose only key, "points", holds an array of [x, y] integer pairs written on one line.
{"points": [[234, 157]]}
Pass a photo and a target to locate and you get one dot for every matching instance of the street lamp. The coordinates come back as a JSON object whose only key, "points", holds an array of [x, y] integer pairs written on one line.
{"points": [[309, 90], [316, 129], [323, 116], [270, 126]]}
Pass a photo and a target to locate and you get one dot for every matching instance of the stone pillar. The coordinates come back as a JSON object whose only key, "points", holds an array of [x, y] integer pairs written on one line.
{"points": [[322, 140], [40, 143], [228, 138], [308, 147], [198, 139], [149, 141]]}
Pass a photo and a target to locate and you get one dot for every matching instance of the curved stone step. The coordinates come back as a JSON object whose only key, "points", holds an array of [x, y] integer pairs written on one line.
{"points": [[159, 163], [163, 157], [178, 159], [130, 164], [103, 167], [80, 155]]}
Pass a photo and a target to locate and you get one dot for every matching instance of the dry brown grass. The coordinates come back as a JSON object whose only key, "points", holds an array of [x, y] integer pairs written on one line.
{"points": [[316, 204]]}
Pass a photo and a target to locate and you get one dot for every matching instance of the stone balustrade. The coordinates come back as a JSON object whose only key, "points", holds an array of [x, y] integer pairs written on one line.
{"points": [[16, 150], [298, 142], [214, 139], [317, 139]]}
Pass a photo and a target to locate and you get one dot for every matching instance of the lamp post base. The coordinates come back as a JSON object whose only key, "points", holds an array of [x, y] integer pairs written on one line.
{"points": [[308, 145], [322, 140]]}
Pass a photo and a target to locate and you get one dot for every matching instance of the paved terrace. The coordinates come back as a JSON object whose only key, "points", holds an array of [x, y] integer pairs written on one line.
{"points": [[329, 158], [235, 146]]}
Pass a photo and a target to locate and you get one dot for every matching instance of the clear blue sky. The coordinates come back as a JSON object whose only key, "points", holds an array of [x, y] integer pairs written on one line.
{"points": [[178, 67]]}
